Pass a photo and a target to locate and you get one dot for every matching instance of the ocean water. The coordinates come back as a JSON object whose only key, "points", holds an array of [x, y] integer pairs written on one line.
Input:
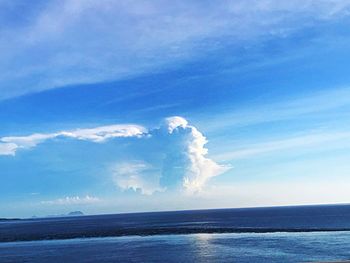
{"points": [[280, 234]]}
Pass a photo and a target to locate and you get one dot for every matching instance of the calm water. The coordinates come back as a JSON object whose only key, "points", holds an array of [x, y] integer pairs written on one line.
{"points": [[229, 235]]}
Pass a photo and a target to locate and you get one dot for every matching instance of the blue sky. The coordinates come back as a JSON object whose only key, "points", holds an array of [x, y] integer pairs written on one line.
{"points": [[121, 106]]}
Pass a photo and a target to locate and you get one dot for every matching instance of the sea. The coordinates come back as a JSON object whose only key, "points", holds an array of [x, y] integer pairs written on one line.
{"points": [[269, 234]]}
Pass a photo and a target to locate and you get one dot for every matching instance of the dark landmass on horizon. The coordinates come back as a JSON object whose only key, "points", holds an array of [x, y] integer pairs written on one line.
{"points": [[73, 213], [80, 213], [9, 219], [235, 220], [166, 231]]}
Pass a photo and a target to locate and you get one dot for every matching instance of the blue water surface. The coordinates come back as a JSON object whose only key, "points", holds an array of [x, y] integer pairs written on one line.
{"points": [[252, 247], [277, 234]]}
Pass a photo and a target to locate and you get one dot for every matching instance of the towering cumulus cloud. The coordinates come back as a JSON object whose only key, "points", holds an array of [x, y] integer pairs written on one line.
{"points": [[170, 157], [199, 169]]}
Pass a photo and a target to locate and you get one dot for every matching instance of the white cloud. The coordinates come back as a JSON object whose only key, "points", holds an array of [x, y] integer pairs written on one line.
{"points": [[73, 200], [11, 144], [8, 148], [29, 141], [103, 133], [201, 169], [169, 157], [180, 161], [138, 176], [90, 41], [175, 122]]}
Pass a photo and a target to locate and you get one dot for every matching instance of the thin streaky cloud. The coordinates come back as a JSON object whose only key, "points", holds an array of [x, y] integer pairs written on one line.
{"points": [[307, 105], [296, 142], [126, 38]]}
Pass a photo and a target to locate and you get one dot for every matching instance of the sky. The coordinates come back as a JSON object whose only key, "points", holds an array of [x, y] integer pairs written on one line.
{"points": [[126, 106]]}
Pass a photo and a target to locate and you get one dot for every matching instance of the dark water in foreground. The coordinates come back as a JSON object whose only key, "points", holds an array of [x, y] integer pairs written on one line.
{"points": [[280, 234], [265, 247]]}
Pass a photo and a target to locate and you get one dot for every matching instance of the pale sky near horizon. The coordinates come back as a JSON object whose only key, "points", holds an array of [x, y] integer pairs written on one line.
{"points": [[123, 106]]}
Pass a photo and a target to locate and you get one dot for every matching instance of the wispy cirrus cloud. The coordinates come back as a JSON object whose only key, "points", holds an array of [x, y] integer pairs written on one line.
{"points": [[93, 41], [306, 141], [310, 104]]}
